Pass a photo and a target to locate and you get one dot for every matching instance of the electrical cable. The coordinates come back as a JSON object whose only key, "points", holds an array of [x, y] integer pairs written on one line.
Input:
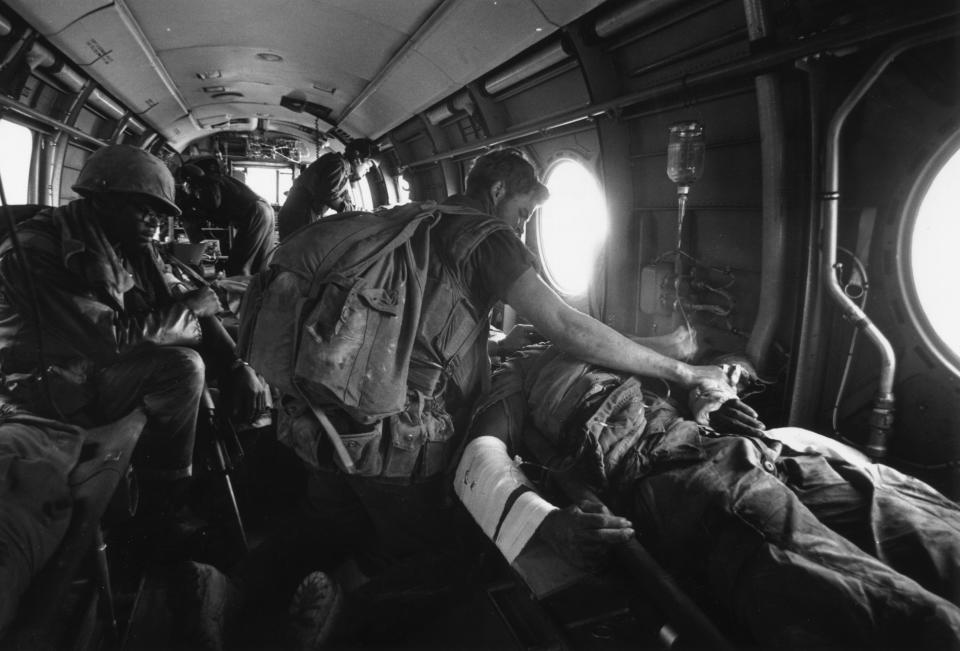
{"points": [[848, 362], [699, 263]]}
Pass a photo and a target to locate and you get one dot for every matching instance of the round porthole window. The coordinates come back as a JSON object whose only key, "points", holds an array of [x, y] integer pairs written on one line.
{"points": [[571, 226], [933, 250]]}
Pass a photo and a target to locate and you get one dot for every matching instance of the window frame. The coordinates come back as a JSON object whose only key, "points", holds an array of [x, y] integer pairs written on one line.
{"points": [[910, 212], [534, 234], [278, 170], [30, 196]]}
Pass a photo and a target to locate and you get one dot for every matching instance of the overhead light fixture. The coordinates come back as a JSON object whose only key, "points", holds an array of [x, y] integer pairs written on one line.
{"points": [[213, 89], [209, 74], [297, 102], [269, 56]]}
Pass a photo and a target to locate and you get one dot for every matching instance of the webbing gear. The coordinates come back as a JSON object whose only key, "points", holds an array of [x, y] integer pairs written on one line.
{"points": [[342, 307], [360, 314], [334, 437]]}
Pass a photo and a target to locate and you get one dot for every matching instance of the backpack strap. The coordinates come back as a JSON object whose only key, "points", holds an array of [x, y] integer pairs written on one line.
{"points": [[328, 267]]}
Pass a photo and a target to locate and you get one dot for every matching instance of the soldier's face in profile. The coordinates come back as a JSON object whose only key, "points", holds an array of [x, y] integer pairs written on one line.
{"points": [[206, 195], [130, 219], [516, 209]]}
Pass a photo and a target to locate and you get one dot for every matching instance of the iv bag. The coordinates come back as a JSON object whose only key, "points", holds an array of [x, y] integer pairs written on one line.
{"points": [[685, 149]]}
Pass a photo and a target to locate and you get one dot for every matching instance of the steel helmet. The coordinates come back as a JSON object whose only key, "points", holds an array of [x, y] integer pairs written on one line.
{"points": [[124, 168]]}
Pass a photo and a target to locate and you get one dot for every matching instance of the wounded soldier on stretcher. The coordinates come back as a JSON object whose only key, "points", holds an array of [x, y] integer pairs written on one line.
{"points": [[795, 540]]}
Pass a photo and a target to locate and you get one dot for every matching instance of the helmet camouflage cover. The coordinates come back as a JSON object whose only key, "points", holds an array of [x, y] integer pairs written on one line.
{"points": [[127, 169]]}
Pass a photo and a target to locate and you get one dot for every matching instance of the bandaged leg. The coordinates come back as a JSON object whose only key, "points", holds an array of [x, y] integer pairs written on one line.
{"points": [[498, 495]]}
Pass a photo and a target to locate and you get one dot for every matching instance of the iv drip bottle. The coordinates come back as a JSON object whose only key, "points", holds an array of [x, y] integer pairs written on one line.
{"points": [[685, 149]]}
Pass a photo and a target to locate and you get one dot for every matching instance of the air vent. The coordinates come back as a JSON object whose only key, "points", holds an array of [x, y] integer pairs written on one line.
{"points": [[213, 120], [229, 93]]}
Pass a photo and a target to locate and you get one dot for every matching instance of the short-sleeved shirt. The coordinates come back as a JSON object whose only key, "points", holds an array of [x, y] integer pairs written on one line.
{"points": [[498, 261], [494, 265]]}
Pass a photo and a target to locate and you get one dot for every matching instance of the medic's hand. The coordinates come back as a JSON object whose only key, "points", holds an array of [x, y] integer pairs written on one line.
{"points": [[246, 394], [519, 336], [583, 533], [203, 301], [736, 417]]}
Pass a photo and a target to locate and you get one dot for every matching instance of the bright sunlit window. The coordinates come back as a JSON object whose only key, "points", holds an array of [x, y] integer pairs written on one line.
{"points": [[271, 183], [403, 189], [360, 195], [934, 249], [15, 161], [572, 226]]}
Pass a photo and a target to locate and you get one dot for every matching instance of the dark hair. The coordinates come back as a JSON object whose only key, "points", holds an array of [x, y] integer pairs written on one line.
{"points": [[360, 149], [508, 165], [197, 176]]}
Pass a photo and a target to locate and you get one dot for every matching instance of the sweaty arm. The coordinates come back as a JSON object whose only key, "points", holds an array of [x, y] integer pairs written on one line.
{"points": [[592, 341]]}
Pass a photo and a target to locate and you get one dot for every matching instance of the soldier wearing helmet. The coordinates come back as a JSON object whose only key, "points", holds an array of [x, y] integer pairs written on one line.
{"points": [[228, 202], [103, 332], [323, 185]]}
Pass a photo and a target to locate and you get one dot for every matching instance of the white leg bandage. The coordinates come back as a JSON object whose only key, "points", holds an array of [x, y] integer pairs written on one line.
{"points": [[498, 495]]}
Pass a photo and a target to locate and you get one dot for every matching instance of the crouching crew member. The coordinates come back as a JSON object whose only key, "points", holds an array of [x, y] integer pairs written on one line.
{"points": [[226, 202], [323, 185]]}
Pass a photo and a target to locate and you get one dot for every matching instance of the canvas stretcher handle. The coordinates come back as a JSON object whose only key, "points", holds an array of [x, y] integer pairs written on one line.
{"points": [[684, 614]]}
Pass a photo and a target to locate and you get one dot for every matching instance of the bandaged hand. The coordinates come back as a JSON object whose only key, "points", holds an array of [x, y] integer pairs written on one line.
{"points": [[582, 534]]}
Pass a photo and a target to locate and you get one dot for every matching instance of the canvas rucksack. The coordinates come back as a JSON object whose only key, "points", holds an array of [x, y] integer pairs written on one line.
{"points": [[335, 319]]}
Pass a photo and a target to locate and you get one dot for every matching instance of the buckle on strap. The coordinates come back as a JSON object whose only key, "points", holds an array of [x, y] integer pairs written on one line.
{"points": [[428, 378]]}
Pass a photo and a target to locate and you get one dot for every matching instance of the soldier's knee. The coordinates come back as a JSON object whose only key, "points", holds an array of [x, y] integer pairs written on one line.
{"points": [[185, 364]]}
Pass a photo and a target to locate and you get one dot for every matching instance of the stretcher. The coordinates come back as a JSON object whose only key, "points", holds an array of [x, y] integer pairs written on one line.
{"points": [[684, 623]]}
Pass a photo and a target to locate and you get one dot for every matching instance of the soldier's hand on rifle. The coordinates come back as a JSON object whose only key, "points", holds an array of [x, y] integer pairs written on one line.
{"points": [[203, 302], [246, 393]]}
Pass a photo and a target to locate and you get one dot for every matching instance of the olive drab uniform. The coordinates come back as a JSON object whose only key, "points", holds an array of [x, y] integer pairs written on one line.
{"points": [[359, 316], [323, 184], [113, 335], [796, 545]]}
